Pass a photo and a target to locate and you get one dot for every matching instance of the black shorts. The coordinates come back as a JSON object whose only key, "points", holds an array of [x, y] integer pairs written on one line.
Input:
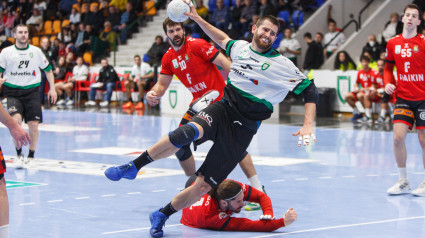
{"points": [[28, 105], [2, 164], [408, 112], [231, 134]]}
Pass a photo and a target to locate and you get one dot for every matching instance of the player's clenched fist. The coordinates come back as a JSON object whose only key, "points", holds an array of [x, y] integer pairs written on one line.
{"points": [[290, 216], [152, 98]]}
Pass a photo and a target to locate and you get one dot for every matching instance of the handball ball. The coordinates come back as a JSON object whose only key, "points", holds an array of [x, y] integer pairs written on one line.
{"points": [[176, 10]]}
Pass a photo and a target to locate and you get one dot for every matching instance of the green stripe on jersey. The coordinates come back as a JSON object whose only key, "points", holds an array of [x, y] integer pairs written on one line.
{"points": [[48, 68], [21, 87], [301, 86], [252, 97], [229, 46], [1, 70]]}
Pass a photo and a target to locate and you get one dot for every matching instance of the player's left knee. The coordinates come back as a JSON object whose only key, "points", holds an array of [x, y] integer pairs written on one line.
{"points": [[184, 135]]}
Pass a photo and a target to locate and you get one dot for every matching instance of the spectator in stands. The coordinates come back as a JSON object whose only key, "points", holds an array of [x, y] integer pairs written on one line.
{"points": [[361, 93], [157, 50], [65, 35], [79, 73], [313, 56], [74, 17], [82, 43], [35, 22], [266, 8], [99, 19], [10, 21], [283, 5], [344, 62], [247, 12], [25, 9], [127, 18], [108, 35], [65, 6], [139, 80], [331, 44], [235, 19], [55, 51], [221, 16], [201, 9], [290, 47], [106, 80], [70, 61], [40, 5], [393, 27], [73, 31], [60, 70], [62, 50], [373, 47], [87, 17], [372, 63], [48, 53], [113, 17]]}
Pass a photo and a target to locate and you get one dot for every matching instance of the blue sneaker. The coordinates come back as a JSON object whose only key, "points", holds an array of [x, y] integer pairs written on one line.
{"points": [[356, 117], [128, 171], [158, 220]]}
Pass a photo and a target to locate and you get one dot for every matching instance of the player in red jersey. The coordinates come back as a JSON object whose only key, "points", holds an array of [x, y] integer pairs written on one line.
{"points": [[214, 210], [407, 52], [379, 95], [194, 62], [362, 92], [22, 138]]}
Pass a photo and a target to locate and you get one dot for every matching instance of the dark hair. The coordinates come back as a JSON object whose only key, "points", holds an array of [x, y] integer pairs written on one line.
{"points": [[160, 37], [228, 189], [168, 22], [307, 35], [271, 18], [320, 33], [330, 20], [19, 25], [338, 63], [364, 57], [412, 6], [137, 56]]}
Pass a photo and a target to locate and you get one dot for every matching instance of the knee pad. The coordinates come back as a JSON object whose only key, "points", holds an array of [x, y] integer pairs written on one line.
{"points": [[183, 135], [184, 153]]}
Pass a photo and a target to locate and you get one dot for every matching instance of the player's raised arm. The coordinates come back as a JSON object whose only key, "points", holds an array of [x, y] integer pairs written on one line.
{"points": [[215, 34]]}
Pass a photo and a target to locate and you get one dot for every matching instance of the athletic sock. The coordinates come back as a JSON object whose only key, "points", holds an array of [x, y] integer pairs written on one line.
{"points": [[402, 173], [255, 183], [356, 111], [19, 151], [31, 153], [142, 160], [168, 210], [368, 112], [383, 113]]}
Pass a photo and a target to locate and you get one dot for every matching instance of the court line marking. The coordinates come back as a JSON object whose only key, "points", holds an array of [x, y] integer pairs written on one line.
{"points": [[59, 200], [342, 226], [79, 198], [349, 176], [158, 191], [109, 195], [137, 229], [131, 193], [25, 204]]}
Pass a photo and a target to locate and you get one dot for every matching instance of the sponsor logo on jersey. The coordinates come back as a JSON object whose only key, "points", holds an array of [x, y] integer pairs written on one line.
{"points": [[210, 50], [422, 116], [411, 77], [212, 180], [22, 73], [207, 118], [197, 87], [12, 109], [292, 80], [255, 60], [237, 71], [397, 49], [254, 81], [222, 215], [175, 64], [33, 73], [265, 66], [415, 49]]}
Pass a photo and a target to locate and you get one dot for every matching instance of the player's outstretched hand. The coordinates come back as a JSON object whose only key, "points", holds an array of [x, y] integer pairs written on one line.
{"points": [[20, 135], [152, 98], [389, 88], [305, 136], [266, 217], [192, 14], [52, 96], [290, 216]]}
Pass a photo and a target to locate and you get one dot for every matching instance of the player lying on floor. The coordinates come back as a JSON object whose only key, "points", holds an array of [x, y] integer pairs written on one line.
{"points": [[214, 210]]}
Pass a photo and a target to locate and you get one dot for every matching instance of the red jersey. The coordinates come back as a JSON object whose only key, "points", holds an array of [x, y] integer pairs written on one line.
{"points": [[409, 58], [192, 64], [366, 78], [206, 214], [378, 80]]}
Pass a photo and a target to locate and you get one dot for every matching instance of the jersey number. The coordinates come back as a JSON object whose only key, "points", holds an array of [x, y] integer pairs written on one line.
{"points": [[406, 53], [22, 63], [406, 66], [188, 78]]}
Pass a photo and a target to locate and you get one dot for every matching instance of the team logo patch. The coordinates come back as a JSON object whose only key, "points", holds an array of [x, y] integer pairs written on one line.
{"points": [[415, 49], [175, 64], [397, 49], [31, 54], [422, 116], [186, 57], [222, 215], [265, 66]]}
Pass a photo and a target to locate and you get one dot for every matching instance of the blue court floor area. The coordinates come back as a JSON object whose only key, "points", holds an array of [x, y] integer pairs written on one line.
{"points": [[338, 186]]}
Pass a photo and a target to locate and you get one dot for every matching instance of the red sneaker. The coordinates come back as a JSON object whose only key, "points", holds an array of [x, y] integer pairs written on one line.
{"points": [[127, 105], [140, 106]]}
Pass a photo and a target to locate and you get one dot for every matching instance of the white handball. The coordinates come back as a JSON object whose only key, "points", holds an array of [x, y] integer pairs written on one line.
{"points": [[176, 10]]}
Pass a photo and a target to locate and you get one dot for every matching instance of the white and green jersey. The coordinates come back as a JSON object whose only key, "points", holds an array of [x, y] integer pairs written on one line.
{"points": [[142, 70], [265, 79], [21, 67]]}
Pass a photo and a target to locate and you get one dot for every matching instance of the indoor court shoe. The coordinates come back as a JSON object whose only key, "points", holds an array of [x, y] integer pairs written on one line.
{"points": [[356, 117], [60, 102], [90, 103], [69, 103], [158, 220], [420, 191], [380, 120], [140, 106], [104, 104], [127, 105], [401, 187], [128, 171], [365, 119], [19, 162]]}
